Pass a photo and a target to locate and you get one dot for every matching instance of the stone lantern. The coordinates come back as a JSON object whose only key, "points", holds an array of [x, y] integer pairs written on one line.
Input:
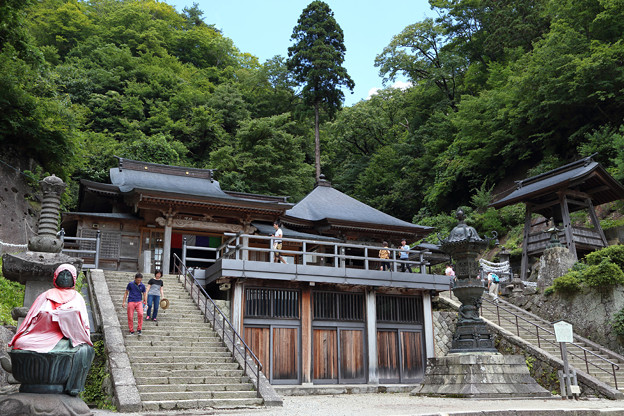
{"points": [[464, 245], [473, 367]]}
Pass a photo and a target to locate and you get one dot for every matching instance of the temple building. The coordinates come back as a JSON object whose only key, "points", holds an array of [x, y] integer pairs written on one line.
{"points": [[552, 196], [318, 310]]}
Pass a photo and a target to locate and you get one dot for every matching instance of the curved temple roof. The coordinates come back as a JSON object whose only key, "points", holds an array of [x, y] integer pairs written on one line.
{"points": [[584, 175], [327, 203], [129, 180]]}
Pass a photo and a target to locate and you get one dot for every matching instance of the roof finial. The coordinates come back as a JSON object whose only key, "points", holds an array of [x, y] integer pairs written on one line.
{"points": [[322, 181]]}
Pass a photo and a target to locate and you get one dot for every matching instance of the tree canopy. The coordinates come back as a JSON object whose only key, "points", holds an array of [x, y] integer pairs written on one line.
{"points": [[316, 61], [499, 90]]}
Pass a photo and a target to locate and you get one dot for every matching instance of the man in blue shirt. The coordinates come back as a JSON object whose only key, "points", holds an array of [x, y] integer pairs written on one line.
{"points": [[135, 294], [404, 256]]}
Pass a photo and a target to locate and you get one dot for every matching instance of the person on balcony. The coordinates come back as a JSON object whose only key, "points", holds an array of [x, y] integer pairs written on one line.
{"points": [[384, 255], [404, 256], [277, 243]]}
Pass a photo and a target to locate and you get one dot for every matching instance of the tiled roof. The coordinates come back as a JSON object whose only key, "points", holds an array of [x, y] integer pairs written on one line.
{"points": [[327, 203]]}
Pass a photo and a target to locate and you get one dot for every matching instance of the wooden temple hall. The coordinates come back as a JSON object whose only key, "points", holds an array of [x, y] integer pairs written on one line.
{"points": [[552, 198], [327, 314]]}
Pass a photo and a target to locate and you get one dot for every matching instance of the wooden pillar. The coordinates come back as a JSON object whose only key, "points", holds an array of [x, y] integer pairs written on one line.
{"points": [[236, 307], [245, 248], [371, 336], [428, 315], [306, 335], [525, 242], [167, 246], [594, 219], [567, 224]]}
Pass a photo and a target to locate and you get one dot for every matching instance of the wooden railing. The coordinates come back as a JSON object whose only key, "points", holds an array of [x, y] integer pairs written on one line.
{"points": [[541, 333], [220, 322], [84, 253], [238, 247]]}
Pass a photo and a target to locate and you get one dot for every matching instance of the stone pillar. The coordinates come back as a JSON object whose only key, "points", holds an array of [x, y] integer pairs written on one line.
{"points": [[429, 344], [46, 240], [237, 307], [371, 336], [167, 246]]}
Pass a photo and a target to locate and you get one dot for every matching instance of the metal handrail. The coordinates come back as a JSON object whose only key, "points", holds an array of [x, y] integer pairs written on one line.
{"points": [[227, 329], [229, 249], [519, 318]]}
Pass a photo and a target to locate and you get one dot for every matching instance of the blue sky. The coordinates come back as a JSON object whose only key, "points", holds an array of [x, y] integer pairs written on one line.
{"points": [[263, 28]]}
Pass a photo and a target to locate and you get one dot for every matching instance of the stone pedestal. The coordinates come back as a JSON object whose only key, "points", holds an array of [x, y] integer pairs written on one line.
{"points": [[482, 375], [33, 404]]}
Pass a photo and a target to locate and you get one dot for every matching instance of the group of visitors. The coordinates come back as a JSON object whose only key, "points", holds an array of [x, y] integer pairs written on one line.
{"points": [[493, 281], [384, 255], [138, 297]]}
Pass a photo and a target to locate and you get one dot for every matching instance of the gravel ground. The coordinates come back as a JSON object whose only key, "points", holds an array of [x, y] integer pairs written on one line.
{"points": [[403, 404]]}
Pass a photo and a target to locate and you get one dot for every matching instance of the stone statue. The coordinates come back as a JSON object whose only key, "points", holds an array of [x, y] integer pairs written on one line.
{"points": [[52, 350]]}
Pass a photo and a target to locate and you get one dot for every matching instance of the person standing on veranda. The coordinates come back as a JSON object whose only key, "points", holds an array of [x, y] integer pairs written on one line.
{"points": [[277, 243], [404, 256]]}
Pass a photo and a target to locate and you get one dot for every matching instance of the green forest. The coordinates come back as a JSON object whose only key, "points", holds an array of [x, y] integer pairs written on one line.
{"points": [[501, 90]]}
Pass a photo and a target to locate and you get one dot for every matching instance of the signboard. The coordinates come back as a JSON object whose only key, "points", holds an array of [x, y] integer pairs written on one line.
{"points": [[563, 331]]}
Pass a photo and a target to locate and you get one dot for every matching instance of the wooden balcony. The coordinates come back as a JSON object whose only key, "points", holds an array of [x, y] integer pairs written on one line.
{"points": [[249, 256]]}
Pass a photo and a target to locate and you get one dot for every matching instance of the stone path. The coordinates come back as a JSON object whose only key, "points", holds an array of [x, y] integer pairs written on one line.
{"points": [[403, 404]]}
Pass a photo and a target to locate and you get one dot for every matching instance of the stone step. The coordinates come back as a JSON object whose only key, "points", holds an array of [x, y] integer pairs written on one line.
{"points": [[189, 374], [218, 386], [181, 339], [187, 357], [143, 342], [187, 362], [206, 394], [163, 327], [173, 350], [201, 403], [180, 362], [191, 380]]}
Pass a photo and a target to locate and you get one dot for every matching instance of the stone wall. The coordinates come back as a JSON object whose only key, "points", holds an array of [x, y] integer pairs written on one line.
{"points": [[443, 328], [19, 203], [542, 368], [590, 311]]}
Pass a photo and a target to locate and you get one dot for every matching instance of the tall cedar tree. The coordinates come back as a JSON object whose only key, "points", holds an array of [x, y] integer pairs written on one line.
{"points": [[316, 63]]}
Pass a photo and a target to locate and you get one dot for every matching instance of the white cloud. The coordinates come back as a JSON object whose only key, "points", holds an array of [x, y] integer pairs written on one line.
{"points": [[372, 92], [402, 85]]}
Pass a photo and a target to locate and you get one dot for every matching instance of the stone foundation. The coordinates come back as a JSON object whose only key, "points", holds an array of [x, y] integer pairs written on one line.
{"points": [[479, 375]]}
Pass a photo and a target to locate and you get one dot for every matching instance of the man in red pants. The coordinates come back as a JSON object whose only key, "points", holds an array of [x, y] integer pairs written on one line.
{"points": [[136, 296]]}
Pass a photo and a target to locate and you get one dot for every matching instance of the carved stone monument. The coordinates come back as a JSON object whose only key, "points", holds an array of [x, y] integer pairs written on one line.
{"points": [[473, 367], [59, 371]]}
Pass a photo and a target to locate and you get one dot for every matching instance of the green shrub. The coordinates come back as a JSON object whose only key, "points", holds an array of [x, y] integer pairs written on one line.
{"points": [[568, 283], [603, 274], [549, 291], [94, 393], [11, 296], [617, 323], [614, 254], [611, 223]]}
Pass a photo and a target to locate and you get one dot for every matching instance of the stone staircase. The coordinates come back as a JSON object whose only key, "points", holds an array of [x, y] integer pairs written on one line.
{"points": [[179, 362], [523, 325]]}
